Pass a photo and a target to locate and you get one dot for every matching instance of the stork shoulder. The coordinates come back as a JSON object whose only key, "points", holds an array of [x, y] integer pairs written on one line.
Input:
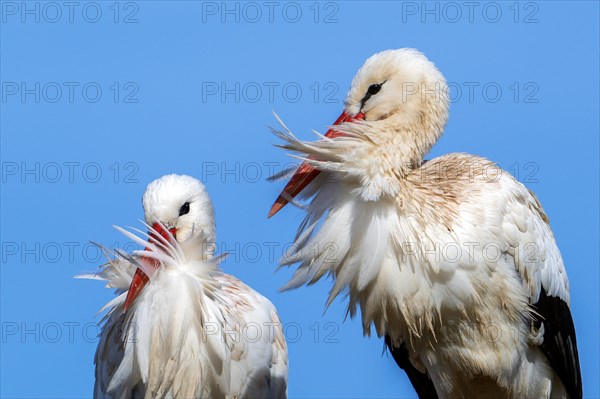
{"points": [[526, 227], [488, 204]]}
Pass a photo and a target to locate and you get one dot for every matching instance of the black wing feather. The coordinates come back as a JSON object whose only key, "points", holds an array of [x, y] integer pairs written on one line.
{"points": [[560, 343], [420, 381]]}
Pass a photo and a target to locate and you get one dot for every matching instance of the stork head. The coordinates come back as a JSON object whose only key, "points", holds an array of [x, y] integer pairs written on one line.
{"points": [[399, 91], [177, 207], [399, 100], [181, 204]]}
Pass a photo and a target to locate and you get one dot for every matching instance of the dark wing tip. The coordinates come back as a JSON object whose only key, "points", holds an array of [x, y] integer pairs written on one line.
{"points": [[420, 381], [560, 342]]}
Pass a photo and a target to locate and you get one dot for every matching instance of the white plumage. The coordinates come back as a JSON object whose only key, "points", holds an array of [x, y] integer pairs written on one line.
{"points": [[451, 260], [191, 330]]}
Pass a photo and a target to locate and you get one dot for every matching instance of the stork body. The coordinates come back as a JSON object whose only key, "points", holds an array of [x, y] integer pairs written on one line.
{"points": [[451, 260], [179, 326]]}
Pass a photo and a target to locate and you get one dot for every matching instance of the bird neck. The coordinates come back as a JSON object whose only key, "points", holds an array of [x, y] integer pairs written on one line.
{"points": [[385, 159]]}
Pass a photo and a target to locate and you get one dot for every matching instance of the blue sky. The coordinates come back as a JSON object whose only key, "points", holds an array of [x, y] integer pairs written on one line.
{"points": [[100, 98]]}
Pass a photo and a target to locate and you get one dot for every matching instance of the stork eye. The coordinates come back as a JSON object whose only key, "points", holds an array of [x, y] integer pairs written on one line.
{"points": [[185, 209], [374, 89], [371, 91]]}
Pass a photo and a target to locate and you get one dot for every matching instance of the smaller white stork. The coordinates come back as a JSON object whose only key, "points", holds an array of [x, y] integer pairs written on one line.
{"points": [[451, 260], [179, 326]]}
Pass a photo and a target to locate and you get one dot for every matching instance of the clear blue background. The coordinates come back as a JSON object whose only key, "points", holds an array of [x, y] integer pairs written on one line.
{"points": [[169, 54]]}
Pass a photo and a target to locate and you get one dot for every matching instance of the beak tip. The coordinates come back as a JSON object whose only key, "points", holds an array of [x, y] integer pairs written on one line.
{"points": [[139, 280], [277, 206]]}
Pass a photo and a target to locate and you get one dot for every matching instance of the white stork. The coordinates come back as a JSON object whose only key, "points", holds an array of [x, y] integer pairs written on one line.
{"points": [[451, 260], [180, 327]]}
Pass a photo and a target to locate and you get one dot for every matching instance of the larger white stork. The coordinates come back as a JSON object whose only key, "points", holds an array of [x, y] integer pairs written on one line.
{"points": [[451, 260], [181, 328]]}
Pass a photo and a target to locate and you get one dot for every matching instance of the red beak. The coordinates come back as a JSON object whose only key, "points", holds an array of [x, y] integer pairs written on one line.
{"points": [[306, 172], [140, 279]]}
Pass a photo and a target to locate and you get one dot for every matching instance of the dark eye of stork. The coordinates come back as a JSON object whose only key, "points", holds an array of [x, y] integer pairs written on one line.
{"points": [[374, 89], [371, 91], [185, 209]]}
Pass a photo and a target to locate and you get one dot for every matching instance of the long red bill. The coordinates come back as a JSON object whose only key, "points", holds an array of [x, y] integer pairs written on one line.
{"points": [[140, 279], [306, 172]]}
